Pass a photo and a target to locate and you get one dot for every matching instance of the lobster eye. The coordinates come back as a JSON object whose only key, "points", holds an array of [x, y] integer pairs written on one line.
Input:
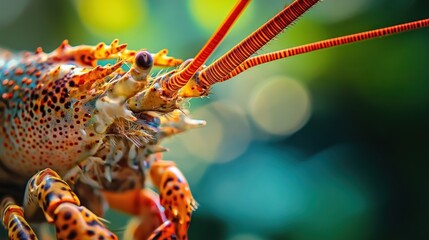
{"points": [[144, 60]]}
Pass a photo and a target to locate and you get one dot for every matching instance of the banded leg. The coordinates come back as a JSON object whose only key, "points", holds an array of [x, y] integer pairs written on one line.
{"points": [[175, 197], [62, 208], [13, 220]]}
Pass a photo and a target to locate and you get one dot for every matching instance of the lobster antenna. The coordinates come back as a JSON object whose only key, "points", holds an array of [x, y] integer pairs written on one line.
{"points": [[179, 79], [264, 58], [224, 65]]}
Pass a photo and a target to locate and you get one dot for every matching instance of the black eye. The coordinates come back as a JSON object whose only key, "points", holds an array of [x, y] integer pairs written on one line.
{"points": [[144, 60]]}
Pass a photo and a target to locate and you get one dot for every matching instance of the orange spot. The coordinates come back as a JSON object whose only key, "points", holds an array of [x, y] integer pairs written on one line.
{"points": [[6, 95], [17, 121], [16, 88], [11, 82], [5, 82], [19, 71], [39, 50], [38, 73]]}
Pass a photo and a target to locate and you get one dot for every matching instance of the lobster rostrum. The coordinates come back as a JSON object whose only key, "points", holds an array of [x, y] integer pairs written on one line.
{"points": [[82, 135]]}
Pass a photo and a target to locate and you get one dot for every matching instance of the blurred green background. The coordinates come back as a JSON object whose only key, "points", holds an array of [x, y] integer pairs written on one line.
{"points": [[327, 145]]}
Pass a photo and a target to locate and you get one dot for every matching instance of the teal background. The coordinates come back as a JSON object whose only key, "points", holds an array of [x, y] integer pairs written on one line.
{"points": [[352, 165]]}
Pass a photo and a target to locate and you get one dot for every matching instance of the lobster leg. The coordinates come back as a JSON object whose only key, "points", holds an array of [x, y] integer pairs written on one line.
{"points": [[175, 197], [144, 204], [165, 231], [62, 208], [13, 220], [176, 200]]}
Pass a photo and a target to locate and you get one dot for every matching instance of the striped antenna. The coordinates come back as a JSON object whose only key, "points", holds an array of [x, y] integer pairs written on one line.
{"points": [[180, 79], [269, 57], [224, 65]]}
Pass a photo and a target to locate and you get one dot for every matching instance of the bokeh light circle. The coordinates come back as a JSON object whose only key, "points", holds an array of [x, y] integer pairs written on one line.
{"points": [[330, 12], [209, 14], [261, 191], [280, 105], [225, 137], [110, 16], [11, 10]]}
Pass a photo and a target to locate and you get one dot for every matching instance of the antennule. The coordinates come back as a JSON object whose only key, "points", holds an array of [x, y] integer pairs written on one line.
{"points": [[269, 57], [221, 67], [179, 79]]}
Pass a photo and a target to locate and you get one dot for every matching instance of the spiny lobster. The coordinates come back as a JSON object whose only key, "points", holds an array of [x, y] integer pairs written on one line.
{"points": [[81, 134]]}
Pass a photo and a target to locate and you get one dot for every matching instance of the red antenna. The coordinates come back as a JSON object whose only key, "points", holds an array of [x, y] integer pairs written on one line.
{"points": [[224, 65], [179, 79], [269, 57], [239, 59]]}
